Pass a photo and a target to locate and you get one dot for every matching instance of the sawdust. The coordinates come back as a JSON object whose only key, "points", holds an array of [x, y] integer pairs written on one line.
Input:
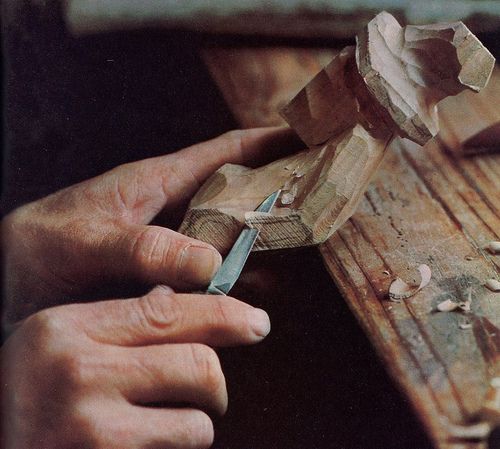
{"points": [[447, 306]]}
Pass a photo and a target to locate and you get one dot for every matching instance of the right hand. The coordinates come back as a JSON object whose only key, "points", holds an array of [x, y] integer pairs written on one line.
{"points": [[85, 375]]}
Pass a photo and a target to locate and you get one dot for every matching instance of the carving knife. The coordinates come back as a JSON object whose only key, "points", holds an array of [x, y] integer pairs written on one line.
{"points": [[231, 268]]}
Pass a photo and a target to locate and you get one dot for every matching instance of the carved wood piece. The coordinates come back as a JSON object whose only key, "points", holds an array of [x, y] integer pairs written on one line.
{"points": [[386, 86]]}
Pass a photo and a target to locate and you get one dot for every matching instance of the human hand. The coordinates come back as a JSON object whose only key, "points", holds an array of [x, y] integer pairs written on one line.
{"points": [[83, 375], [96, 233]]}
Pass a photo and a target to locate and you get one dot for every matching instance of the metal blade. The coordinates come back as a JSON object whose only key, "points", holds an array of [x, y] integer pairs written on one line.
{"points": [[232, 266]]}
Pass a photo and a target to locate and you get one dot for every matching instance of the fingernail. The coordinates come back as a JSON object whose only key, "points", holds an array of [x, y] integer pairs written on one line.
{"points": [[259, 322], [198, 264]]}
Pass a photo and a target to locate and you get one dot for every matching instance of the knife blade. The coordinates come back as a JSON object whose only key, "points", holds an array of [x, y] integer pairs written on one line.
{"points": [[231, 268]]}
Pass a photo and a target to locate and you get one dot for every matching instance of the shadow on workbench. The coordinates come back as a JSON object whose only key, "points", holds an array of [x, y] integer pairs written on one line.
{"points": [[315, 381]]}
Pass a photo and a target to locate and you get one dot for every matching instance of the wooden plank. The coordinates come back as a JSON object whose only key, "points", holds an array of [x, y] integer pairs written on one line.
{"points": [[424, 206]]}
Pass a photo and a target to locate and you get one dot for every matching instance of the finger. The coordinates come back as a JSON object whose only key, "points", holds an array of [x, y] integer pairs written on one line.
{"points": [[172, 428], [163, 316], [153, 254], [126, 426], [253, 147], [175, 373]]}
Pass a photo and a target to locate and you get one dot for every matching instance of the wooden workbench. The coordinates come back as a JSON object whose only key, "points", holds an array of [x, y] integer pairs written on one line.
{"points": [[425, 205]]}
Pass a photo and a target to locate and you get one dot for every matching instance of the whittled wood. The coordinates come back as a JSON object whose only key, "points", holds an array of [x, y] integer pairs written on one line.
{"points": [[386, 86]]}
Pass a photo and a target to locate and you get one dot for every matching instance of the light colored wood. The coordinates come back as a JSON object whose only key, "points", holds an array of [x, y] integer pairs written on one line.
{"points": [[474, 129], [424, 205], [410, 69], [388, 85]]}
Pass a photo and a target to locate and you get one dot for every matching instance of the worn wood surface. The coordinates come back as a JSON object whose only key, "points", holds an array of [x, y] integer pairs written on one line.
{"points": [[424, 206]]}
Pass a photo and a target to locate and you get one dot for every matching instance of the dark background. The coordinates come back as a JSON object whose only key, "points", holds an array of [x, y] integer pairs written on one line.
{"points": [[76, 107]]}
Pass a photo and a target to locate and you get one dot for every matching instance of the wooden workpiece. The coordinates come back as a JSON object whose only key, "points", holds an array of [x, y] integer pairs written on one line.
{"points": [[388, 85], [424, 205]]}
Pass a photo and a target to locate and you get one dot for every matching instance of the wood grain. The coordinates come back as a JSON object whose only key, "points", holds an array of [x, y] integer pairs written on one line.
{"points": [[424, 206]]}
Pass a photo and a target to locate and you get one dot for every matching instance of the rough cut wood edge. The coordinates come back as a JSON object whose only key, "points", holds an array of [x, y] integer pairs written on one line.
{"points": [[388, 85]]}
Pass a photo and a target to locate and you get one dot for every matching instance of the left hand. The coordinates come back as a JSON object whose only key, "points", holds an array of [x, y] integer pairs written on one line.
{"points": [[96, 233]]}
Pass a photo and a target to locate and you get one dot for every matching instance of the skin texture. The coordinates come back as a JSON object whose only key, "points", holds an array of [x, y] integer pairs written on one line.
{"points": [[80, 375], [85, 375], [96, 234]]}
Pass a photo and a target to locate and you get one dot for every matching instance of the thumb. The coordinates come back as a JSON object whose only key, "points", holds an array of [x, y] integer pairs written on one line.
{"points": [[153, 254]]}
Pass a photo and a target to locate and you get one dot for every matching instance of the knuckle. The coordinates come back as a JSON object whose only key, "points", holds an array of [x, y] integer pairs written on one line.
{"points": [[44, 329], [94, 430], [207, 370], [73, 369], [234, 139], [159, 310], [149, 248], [200, 430], [85, 427], [220, 310]]}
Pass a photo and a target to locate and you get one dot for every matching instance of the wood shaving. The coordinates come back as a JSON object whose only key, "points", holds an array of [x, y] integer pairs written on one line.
{"points": [[399, 289], [479, 431], [465, 325], [447, 306], [494, 247], [287, 198], [493, 285]]}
